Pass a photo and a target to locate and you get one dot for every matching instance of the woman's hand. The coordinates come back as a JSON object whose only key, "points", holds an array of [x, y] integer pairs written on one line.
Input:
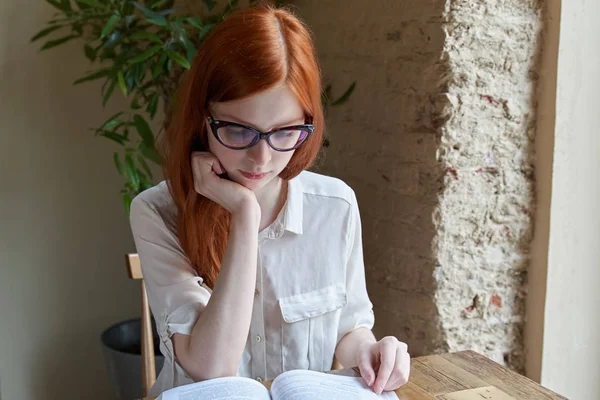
{"points": [[384, 365], [230, 195]]}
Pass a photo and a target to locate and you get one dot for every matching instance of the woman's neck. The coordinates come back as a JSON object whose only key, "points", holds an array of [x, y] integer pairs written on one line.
{"points": [[271, 199]]}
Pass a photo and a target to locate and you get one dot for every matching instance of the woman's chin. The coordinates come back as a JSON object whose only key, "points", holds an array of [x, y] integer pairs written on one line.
{"points": [[250, 184], [254, 184]]}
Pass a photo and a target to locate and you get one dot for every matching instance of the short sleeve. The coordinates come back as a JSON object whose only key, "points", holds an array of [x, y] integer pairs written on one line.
{"points": [[176, 293], [358, 313]]}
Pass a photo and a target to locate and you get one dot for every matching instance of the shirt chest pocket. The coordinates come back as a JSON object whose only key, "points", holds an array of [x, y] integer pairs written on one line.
{"points": [[309, 327]]}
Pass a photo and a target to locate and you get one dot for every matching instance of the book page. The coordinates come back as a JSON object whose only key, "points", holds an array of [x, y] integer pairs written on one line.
{"points": [[312, 385], [231, 388]]}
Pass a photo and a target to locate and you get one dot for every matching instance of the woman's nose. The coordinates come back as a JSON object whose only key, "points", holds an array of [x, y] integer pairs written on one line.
{"points": [[260, 153]]}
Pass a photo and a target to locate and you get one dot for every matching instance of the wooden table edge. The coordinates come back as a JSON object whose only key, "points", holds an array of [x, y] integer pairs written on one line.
{"points": [[424, 394]]}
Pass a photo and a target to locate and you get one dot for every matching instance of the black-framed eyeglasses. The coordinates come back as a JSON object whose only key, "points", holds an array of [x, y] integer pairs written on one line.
{"points": [[239, 137]]}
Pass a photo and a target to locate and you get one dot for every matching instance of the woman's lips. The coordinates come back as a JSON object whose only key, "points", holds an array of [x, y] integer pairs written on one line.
{"points": [[252, 176]]}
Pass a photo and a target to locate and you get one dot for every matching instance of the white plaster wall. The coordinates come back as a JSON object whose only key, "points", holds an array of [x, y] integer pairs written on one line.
{"points": [[571, 349]]}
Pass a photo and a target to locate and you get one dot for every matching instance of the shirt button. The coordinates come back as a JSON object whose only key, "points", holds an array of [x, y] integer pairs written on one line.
{"points": [[258, 378], [258, 338], [256, 293]]}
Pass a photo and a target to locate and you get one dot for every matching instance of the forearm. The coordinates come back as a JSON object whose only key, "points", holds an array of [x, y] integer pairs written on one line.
{"points": [[217, 341], [348, 346]]}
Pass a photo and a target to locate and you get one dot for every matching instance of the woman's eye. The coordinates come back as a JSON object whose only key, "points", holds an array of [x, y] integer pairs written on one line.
{"points": [[234, 130], [286, 133]]}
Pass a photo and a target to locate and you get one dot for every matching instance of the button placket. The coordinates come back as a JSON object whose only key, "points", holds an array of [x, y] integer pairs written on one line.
{"points": [[257, 347]]}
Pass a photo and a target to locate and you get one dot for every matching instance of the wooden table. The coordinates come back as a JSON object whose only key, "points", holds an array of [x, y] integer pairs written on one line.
{"points": [[465, 375]]}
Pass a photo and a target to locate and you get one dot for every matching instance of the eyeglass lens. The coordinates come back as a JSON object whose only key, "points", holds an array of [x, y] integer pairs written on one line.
{"points": [[237, 136]]}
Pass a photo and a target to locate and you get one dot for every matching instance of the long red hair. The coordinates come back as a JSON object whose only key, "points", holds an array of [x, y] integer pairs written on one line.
{"points": [[249, 51]]}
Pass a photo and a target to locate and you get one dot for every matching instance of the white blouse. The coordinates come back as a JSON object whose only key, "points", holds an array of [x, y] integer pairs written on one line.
{"points": [[310, 283]]}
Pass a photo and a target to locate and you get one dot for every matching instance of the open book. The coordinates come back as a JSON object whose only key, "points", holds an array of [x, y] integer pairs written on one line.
{"points": [[291, 385]]}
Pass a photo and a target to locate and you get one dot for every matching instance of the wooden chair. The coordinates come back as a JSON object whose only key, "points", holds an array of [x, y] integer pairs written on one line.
{"points": [[134, 270]]}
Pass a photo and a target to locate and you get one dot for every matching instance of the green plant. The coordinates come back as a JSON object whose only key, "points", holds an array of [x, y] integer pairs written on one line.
{"points": [[143, 48]]}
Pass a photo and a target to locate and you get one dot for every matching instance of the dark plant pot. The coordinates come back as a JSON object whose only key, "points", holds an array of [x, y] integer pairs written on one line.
{"points": [[121, 345]]}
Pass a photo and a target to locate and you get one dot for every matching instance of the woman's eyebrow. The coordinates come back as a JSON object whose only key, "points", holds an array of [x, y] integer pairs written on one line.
{"points": [[231, 118]]}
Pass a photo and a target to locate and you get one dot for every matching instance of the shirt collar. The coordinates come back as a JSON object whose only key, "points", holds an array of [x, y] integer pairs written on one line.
{"points": [[294, 206]]}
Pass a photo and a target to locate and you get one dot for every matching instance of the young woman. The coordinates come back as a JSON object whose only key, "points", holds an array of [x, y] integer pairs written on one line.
{"points": [[254, 266]]}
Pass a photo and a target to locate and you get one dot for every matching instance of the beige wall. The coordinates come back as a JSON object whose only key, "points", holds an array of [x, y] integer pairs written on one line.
{"points": [[571, 329], [63, 229], [383, 144]]}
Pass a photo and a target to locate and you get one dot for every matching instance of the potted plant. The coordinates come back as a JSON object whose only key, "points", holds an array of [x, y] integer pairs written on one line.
{"points": [[140, 49]]}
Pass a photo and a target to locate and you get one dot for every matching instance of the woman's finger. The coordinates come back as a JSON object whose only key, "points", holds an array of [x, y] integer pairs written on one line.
{"points": [[401, 371], [217, 167], [365, 364], [204, 164], [387, 356]]}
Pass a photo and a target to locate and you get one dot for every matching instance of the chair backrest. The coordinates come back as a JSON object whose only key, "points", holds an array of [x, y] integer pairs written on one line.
{"points": [[134, 270]]}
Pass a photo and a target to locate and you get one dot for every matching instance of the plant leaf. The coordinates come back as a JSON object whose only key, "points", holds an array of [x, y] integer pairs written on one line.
{"points": [[143, 129], [45, 32], [196, 22], [230, 5], [95, 75], [190, 50], [151, 16], [127, 199], [60, 5], [115, 137], [167, 12], [158, 68], [114, 116], [122, 84], [110, 25], [56, 42], [132, 172], [144, 35], [112, 41], [210, 4], [118, 164], [144, 165], [150, 153], [145, 55], [91, 3], [130, 79], [111, 124], [109, 92], [205, 30], [152, 105], [135, 105], [345, 96], [90, 52], [157, 3], [158, 21], [179, 59], [145, 183], [128, 11]]}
